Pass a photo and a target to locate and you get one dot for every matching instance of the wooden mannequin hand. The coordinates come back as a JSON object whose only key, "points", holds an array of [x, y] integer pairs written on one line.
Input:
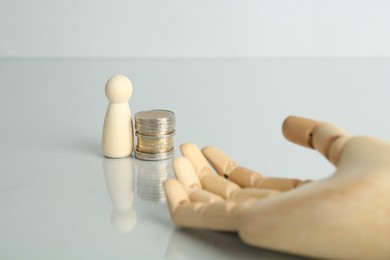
{"points": [[344, 216]]}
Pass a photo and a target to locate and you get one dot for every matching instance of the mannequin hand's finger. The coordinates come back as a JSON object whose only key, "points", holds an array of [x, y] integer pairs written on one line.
{"points": [[176, 195], [227, 167], [183, 212], [326, 138], [222, 215], [185, 173], [209, 180], [253, 193], [191, 206]]}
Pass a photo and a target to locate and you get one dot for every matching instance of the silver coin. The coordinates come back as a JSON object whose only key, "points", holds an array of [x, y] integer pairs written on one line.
{"points": [[142, 146], [154, 130], [154, 150], [161, 143], [154, 117], [158, 123], [153, 157], [155, 114], [155, 144]]}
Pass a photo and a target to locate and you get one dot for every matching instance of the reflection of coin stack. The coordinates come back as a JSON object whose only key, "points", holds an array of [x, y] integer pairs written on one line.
{"points": [[155, 130], [151, 176]]}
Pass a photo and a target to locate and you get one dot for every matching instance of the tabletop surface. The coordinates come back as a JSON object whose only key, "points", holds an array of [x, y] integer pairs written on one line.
{"points": [[60, 198]]}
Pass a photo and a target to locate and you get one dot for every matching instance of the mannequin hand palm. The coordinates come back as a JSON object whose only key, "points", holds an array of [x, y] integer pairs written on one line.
{"points": [[344, 216]]}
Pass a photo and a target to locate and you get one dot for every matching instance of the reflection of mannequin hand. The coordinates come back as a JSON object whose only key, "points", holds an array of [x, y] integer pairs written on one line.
{"points": [[119, 176], [346, 215], [195, 244]]}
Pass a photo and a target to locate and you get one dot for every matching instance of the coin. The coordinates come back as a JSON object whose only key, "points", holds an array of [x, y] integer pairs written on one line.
{"points": [[156, 138], [154, 122], [151, 116], [154, 130], [155, 150], [153, 156], [155, 144]]}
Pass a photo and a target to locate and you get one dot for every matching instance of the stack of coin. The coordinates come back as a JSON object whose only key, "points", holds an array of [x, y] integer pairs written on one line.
{"points": [[154, 130]]}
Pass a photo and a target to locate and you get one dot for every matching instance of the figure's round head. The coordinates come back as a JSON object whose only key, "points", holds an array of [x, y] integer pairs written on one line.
{"points": [[118, 89]]}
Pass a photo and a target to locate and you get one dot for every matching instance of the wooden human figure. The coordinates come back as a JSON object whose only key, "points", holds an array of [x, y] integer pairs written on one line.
{"points": [[118, 137]]}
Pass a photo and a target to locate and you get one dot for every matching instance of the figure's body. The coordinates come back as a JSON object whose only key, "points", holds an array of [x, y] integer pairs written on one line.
{"points": [[118, 136], [344, 216]]}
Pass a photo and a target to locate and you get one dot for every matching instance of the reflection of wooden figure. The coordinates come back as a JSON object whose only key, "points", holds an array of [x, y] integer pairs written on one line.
{"points": [[344, 216], [119, 176], [117, 138]]}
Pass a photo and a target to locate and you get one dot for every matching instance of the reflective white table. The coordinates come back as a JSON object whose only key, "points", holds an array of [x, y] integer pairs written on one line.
{"points": [[61, 199]]}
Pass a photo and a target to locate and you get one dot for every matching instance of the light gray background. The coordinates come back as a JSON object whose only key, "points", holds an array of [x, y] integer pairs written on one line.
{"points": [[185, 28], [320, 59]]}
